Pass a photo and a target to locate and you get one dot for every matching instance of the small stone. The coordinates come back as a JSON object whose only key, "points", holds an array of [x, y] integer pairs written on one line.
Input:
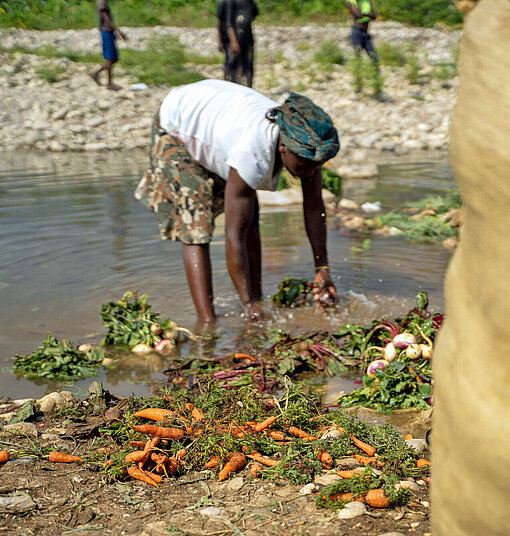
{"points": [[347, 463], [331, 434], [421, 482], [310, 488], [450, 243], [95, 147], [419, 445], [96, 121], [411, 486], [425, 503], [214, 512], [326, 479], [391, 534], [414, 525], [235, 484], [348, 204], [55, 402], [352, 509], [17, 503], [27, 428]]}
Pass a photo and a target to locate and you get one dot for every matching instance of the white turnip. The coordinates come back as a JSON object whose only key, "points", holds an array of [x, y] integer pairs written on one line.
{"points": [[165, 346], [375, 365], [142, 348], [413, 351]]}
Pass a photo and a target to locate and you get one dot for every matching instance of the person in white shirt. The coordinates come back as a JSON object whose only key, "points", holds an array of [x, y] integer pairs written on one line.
{"points": [[213, 144]]}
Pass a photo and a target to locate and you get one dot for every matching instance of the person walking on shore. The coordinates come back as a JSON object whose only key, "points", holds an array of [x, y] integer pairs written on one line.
{"points": [[362, 12], [235, 18], [214, 143], [109, 33]]}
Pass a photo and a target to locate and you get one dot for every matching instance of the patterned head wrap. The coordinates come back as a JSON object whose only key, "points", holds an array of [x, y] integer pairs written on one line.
{"points": [[305, 129]]}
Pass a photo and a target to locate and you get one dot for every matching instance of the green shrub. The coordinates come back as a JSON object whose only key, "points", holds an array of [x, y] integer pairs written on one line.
{"points": [[390, 54], [50, 73], [329, 53], [444, 71], [413, 69], [420, 12]]}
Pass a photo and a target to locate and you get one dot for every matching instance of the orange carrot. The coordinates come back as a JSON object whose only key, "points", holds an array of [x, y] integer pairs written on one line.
{"points": [[213, 462], [160, 431], [254, 455], [235, 462], [376, 498], [196, 413], [138, 444], [137, 456], [365, 460], [255, 470], [152, 443], [4, 456], [172, 465], [350, 474], [181, 454], [107, 463], [155, 414], [62, 457], [134, 472], [409, 436], [422, 462], [264, 424], [157, 478], [344, 497], [244, 356], [325, 458], [367, 449], [279, 436], [301, 434]]}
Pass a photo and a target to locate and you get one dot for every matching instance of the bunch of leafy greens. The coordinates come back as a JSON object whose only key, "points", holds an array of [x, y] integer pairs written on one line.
{"points": [[129, 321], [292, 291], [58, 360], [396, 386], [429, 228]]}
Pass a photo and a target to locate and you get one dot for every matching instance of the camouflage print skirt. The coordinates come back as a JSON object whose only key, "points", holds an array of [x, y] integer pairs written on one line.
{"points": [[184, 195]]}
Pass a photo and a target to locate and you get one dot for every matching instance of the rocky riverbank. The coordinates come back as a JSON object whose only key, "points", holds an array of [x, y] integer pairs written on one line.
{"points": [[74, 114]]}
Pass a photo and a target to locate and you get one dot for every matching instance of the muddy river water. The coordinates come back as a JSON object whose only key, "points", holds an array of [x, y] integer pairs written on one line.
{"points": [[73, 237]]}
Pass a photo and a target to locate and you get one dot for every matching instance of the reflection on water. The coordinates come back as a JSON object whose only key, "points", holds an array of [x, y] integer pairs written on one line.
{"points": [[73, 237]]}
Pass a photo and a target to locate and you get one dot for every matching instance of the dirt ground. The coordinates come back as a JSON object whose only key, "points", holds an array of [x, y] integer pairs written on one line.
{"points": [[80, 498]]}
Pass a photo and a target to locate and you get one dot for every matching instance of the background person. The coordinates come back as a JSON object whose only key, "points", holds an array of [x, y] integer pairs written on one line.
{"points": [[108, 32], [213, 145], [362, 12], [239, 15]]}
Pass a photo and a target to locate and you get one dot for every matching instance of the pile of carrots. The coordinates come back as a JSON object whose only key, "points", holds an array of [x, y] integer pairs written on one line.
{"points": [[151, 462]]}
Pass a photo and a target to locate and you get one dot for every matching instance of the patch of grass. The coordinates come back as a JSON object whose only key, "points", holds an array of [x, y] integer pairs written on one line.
{"points": [[413, 69], [365, 73], [329, 53], [199, 59], [163, 61], [390, 55], [303, 46], [50, 73], [444, 71]]}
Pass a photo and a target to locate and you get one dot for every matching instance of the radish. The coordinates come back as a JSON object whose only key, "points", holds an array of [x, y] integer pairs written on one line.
{"points": [[426, 351], [403, 340], [156, 328], [413, 351], [164, 346], [174, 332], [389, 352], [142, 348], [376, 365]]}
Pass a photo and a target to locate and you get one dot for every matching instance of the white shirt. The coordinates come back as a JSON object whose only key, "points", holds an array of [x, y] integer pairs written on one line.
{"points": [[223, 125]]}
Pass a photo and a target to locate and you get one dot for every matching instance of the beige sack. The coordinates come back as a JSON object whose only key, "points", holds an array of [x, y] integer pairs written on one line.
{"points": [[471, 429]]}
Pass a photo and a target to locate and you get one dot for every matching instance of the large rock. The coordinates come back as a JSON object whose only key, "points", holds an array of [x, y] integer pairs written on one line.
{"points": [[55, 402], [358, 171]]}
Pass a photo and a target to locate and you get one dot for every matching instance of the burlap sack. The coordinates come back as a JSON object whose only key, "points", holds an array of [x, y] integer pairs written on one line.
{"points": [[471, 429]]}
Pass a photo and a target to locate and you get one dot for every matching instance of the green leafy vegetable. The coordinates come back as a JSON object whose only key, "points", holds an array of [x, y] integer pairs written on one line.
{"points": [[58, 360]]}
